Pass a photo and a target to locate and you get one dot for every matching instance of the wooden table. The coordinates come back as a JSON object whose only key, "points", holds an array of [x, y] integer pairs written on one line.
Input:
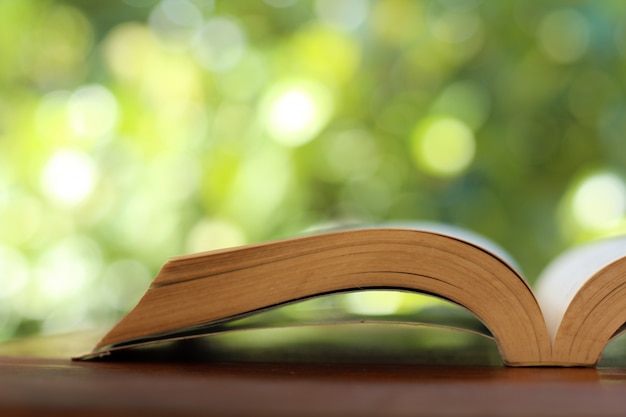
{"points": [[158, 384]]}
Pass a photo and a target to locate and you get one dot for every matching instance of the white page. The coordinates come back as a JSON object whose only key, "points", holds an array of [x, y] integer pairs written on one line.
{"points": [[560, 281]]}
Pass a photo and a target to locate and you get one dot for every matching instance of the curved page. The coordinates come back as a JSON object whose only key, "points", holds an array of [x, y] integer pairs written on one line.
{"points": [[215, 287], [565, 276]]}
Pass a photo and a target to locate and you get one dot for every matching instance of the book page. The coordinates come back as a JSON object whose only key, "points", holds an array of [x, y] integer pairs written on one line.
{"points": [[560, 281], [457, 232]]}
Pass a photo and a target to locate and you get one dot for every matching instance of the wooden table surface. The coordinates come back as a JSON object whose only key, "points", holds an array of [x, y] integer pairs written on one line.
{"points": [[151, 385], [59, 387]]}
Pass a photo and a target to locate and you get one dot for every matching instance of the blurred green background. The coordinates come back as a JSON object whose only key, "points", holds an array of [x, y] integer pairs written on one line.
{"points": [[134, 130]]}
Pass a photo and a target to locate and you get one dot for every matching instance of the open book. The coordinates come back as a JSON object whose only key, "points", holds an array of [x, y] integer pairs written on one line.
{"points": [[579, 303]]}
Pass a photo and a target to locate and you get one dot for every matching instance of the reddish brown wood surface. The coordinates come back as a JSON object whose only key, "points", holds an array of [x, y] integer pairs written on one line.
{"points": [[61, 387], [202, 377]]}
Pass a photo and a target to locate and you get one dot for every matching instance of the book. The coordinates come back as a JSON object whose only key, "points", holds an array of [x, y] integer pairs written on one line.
{"points": [[578, 304]]}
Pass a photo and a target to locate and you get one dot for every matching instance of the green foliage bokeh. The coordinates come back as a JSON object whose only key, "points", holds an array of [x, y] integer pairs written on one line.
{"points": [[134, 130]]}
